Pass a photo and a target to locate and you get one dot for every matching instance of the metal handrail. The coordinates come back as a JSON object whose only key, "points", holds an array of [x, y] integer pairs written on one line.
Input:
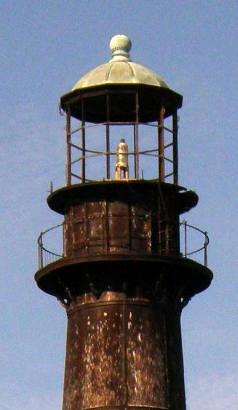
{"points": [[201, 248], [86, 153], [46, 256], [85, 126]]}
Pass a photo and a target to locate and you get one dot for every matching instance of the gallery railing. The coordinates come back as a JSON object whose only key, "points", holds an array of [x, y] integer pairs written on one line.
{"points": [[189, 245]]}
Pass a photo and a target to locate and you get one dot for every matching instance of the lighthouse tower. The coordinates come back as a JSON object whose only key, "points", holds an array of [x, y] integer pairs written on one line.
{"points": [[123, 274]]}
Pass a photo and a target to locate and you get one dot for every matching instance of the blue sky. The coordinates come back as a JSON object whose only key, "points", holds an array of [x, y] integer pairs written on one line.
{"points": [[45, 47]]}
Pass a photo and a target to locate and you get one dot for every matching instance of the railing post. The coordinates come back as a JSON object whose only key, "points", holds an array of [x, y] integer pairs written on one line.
{"points": [[161, 145], [175, 147], [83, 164], [108, 157], [68, 147], [185, 238], [136, 138], [64, 238], [40, 254], [205, 248]]}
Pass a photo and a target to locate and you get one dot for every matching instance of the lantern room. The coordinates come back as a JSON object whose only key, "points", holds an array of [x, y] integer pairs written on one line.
{"points": [[121, 122]]}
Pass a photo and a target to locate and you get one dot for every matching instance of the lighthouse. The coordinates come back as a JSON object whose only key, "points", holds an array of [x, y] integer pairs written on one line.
{"points": [[123, 274]]}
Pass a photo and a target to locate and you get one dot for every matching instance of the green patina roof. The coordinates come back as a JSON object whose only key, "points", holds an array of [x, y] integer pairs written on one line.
{"points": [[117, 78], [119, 69]]}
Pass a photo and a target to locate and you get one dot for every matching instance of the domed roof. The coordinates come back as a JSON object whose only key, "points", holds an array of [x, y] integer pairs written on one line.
{"points": [[119, 69], [116, 90]]}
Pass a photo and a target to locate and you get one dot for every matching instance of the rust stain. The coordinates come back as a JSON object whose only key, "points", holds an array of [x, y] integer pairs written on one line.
{"points": [[114, 355]]}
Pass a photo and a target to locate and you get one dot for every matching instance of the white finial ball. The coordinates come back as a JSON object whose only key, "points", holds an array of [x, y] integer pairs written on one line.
{"points": [[120, 42]]}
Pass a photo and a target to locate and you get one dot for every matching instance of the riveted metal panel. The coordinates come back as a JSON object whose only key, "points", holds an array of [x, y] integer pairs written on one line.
{"points": [[140, 229], [146, 356], [107, 227], [118, 227], [115, 356], [94, 375]]}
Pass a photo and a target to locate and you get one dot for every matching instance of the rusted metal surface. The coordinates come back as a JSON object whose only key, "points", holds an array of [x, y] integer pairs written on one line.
{"points": [[161, 164], [131, 223], [175, 147], [116, 354], [122, 278], [164, 150], [118, 227], [123, 303], [132, 104], [68, 147], [199, 252]]}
